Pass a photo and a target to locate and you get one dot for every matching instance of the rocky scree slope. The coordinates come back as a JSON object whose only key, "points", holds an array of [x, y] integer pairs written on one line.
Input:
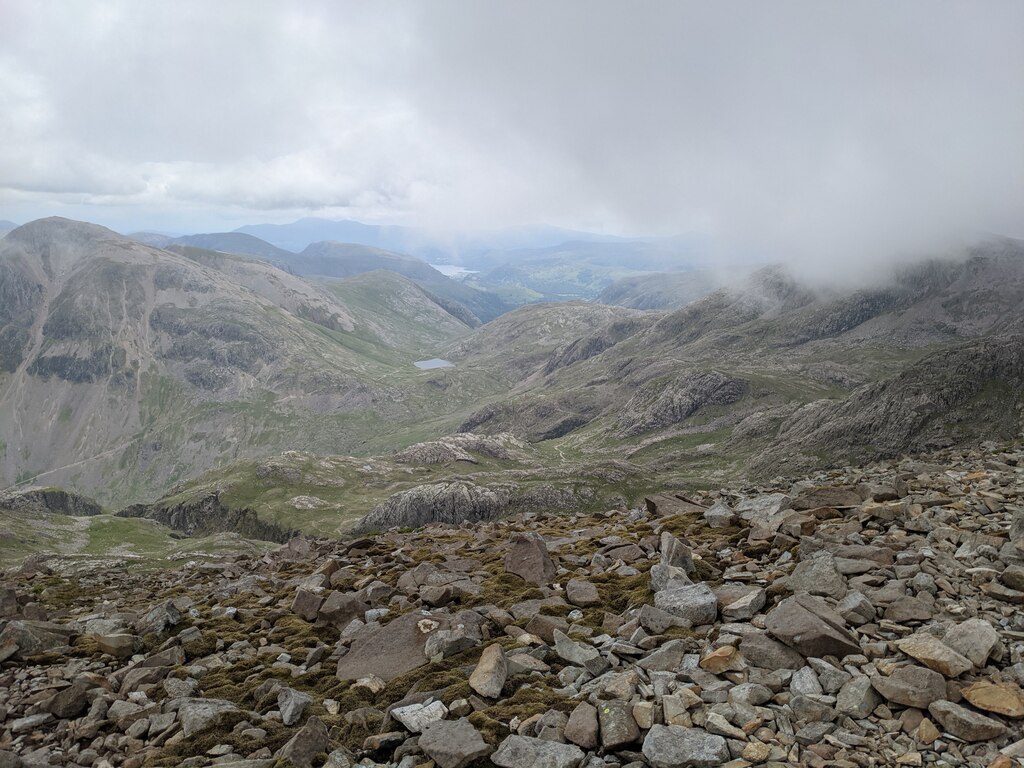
{"points": [[857, 617]]}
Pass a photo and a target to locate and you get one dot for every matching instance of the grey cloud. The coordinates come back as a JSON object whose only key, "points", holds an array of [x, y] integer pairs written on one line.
{"points": [[829, 132]]}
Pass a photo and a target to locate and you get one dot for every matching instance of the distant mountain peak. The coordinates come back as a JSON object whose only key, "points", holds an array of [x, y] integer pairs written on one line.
{"points": [[60, 228]]}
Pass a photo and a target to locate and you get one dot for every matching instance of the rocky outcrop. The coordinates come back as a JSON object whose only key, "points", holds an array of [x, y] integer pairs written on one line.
{"points": [[970, 392], [462, 501], [461, 447], [453, 502], [590, 346], [208, 514], [659, 404], [52, 500]]}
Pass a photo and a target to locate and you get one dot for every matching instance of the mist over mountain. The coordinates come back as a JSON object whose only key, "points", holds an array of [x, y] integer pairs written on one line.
{"points": [[452, 247]]}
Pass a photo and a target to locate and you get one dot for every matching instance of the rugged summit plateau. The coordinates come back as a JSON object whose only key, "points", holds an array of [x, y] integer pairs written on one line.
{"points": [[856, 617]]}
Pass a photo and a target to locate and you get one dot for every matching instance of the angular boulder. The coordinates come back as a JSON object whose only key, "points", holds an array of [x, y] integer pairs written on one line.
{"points": [[488, 678], [528, 752], [311, 740], [528, 558], [810, 626], [673, 746], [453, 743], [975, 638], [201, 715], [911, 686], [965, 724], [392, 650], [695, 604], [934, 654]]}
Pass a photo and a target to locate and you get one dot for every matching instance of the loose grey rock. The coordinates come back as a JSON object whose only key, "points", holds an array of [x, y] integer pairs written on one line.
{"points": [[580, 654], [766, 653], [965, 724], [306, 744], [810, 626], [391, 650], [805, 683], [676, 554], [582, 593], [292, 704], [720, 516], [158, 619], [911, 686], [974, 638], [746, 607], [528, 752], [618, 728], [307, 603], [200, 715], [696, 604], [453, 743], [416, 717], [856, 609], [582, 728], [673, 746], [818, 576]]}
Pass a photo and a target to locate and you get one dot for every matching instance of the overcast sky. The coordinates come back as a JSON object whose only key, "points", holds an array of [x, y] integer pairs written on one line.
{"points": [[789, 126]]}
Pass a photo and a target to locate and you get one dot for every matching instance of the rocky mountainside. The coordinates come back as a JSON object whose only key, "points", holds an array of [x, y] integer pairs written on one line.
{"points": [[854, 617], [124, 367], [661, 290], [764, 369]]}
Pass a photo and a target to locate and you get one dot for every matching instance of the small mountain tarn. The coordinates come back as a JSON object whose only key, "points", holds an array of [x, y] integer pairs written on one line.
{"points": [[434, 362]]}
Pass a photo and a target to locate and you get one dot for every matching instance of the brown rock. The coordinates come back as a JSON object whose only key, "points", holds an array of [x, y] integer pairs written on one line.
{"points": [[926, 732], [528, 558], [827, 496], [489, 676], [544, 626], [724, 659], [934, 654], [120, 646], [1002, 698], [306, 604], [582, 728], [391, 650], [809, 625]]}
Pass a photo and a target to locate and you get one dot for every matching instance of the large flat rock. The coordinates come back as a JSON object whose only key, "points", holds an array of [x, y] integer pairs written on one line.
{"points": [[391, 650]]}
